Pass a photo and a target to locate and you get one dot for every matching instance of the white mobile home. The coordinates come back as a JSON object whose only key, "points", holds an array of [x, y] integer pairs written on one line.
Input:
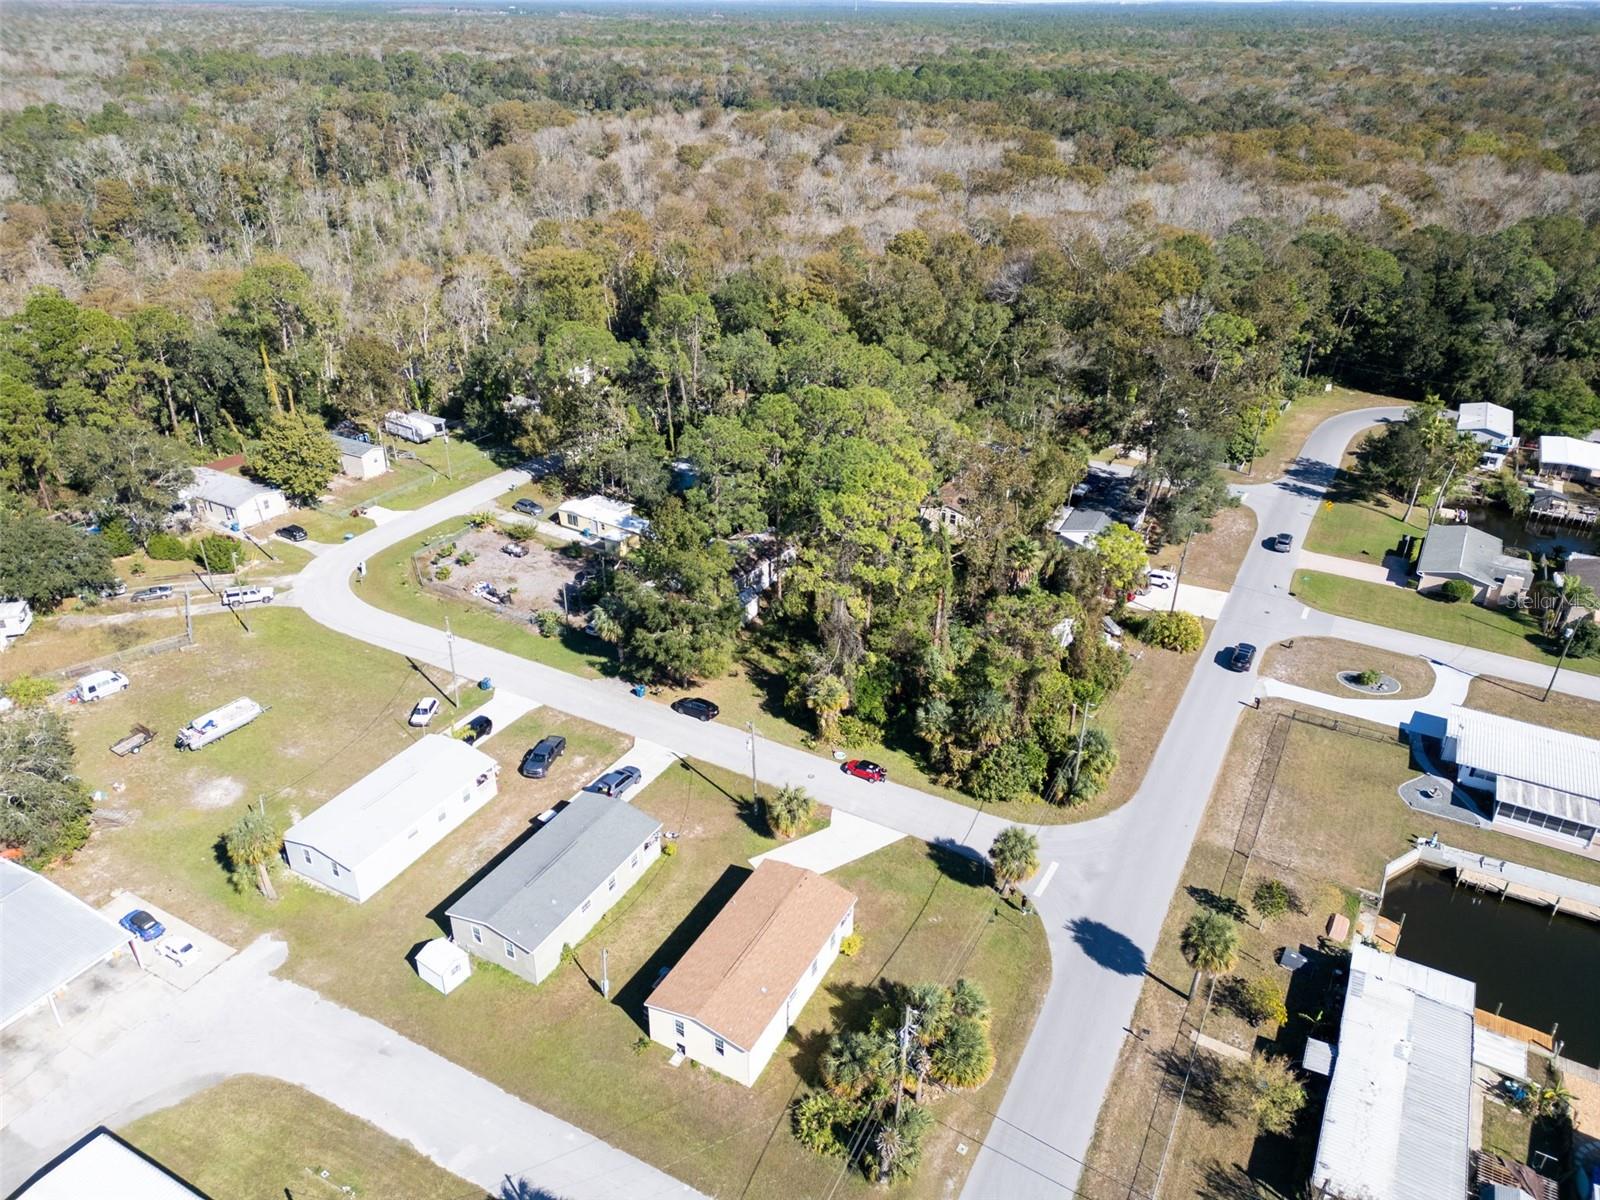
{"points": [[230, 501], [610, 522], [552, 889], [1570, 457], [380, 825], [16, 618], [1490, 424], [358, 459], [735, 992]]}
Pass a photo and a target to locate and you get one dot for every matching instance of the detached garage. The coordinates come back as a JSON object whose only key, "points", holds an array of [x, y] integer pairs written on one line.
{"points": [[373, 830], [49, 936]]}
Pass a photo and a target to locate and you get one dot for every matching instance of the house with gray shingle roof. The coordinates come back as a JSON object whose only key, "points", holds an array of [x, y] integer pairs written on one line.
{"points": [[552, 888], [1462, 552]]}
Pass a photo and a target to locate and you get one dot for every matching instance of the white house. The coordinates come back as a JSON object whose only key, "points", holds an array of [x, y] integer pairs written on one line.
{"points": [[610, 521], [1544, 781], [734, 994], [49, 938], [380, 825], [16, 618], [1399, 1112], [358, 459], [552, 889], [1489, 423], [102, 1164], [1574, 458], [232, 502]]}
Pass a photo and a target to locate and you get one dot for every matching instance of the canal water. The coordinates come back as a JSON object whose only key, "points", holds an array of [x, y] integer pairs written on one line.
{"points": [[1537, 968]]}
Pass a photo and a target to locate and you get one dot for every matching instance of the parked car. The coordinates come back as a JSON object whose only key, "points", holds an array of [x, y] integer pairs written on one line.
{"points": [[423, 711], [97, 685], [862, 769], [614, 783], [528, 508], [1283, 543], [161, 591], [477, 729], [536, 763], [1244, 654], [515, 549], [116, 589], [697, 707], [142, 925], [293, 533], [1161, 579]]}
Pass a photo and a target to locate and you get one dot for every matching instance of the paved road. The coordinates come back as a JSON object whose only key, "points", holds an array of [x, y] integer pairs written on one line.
{"points": [[244, 1020], [1106, 884]]}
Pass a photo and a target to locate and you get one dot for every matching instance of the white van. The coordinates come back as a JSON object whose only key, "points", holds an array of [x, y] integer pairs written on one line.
{"points": [[100, 684], [237, 597]]}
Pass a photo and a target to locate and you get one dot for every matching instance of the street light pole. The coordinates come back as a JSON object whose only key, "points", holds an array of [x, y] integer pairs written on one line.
{"points": [[1566, 644]]}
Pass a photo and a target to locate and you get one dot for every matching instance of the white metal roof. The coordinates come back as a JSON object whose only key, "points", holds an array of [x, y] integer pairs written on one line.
{"points": [[217, 487], [1396, 1122], [1549, 801], [1500, 1053], [1555, 451], [48, 937], [605, 511], [105, 1166], [1491, 418], [385, 805], [13, 608], [1549, 758], [441, 955]]}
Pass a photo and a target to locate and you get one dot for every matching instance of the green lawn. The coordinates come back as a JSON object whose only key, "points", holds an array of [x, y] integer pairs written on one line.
{"points": [[1363, 529], [1398, 608], [440, 468], [252, 1138]]}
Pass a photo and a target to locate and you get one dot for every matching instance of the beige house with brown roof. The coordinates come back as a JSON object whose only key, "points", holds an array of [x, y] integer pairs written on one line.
{"points": [[738, 989]]}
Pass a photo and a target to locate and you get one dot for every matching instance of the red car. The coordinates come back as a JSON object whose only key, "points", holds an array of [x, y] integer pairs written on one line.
{"points": [[862, 769]]}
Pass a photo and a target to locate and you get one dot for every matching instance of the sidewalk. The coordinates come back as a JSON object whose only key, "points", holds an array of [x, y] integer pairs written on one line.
{"points": [[1449, 689]]}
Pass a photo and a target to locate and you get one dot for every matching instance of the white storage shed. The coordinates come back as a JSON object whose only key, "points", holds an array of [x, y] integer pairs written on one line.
{"points": [[358, 459], [443, 965], [380, 825]]}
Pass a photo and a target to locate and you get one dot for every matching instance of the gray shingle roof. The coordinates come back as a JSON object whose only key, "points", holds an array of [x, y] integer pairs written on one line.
{"points": [[538, 884], [353, 446], [230, 491], [50, 937], [1468, 552]]}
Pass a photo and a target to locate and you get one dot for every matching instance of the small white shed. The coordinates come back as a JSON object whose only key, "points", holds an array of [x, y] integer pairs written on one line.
{"points": [[358, 459], [443, 965]]}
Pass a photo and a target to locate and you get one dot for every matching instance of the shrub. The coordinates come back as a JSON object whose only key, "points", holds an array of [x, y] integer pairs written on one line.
{"points": [[1371, 677], [218, 553], [1272, 898], [548, 622], [641, 1044], [167, 547], [1261, 1000], [119, 541], [851, 945], [1457, 590], [967, 1000], [668, 849], [822, 1122], [963, 1058], [1178, 631], [1267, 1090], [441, 573], [27, 691], [480, 520], [466, 558]]}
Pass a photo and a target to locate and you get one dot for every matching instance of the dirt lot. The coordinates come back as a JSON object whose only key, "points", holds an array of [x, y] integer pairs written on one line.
{"points": [[1214, 557], [538, 578]]}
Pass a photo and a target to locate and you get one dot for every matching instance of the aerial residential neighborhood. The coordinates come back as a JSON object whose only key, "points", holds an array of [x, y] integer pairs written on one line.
{"points": [[940, 601]]}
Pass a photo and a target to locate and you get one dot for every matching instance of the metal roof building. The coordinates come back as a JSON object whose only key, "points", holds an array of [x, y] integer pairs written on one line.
{"points": [[48, 937], [553, 887], [1397, 1118], [1543, 779], [380, 825], [1489, 423], [104, 1165]]}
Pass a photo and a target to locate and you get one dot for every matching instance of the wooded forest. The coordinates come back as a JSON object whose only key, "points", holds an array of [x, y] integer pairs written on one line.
{"points": [[834, 260]]}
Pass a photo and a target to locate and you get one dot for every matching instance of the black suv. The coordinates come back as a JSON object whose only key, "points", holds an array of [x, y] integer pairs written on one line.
{"points": [[536, 762], [477, 728], [1243, 655], [292, 533], [697, 707]]}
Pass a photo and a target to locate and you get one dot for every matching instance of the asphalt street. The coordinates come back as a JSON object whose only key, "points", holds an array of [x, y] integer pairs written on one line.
{"points": [[1105, 885]]}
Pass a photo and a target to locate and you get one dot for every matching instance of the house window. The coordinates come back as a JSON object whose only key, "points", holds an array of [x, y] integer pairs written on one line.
{"points": [[677, 1028], [335, 870], [720, 1048], [586, 904], [511, 951], [612, 886], [646, 846], [833, 942], [634, 862], [477, 935], [466, 796], [441, 814], [814, 963], [307, 853]]}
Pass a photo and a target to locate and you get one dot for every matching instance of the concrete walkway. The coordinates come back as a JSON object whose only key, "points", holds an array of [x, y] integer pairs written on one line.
{"points": [[1391, 570], [1202, 602], [1449, 689], [847, 838], [243, 1020]]}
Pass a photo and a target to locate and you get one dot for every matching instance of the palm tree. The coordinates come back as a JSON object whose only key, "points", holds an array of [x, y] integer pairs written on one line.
{"points": [[1210, 942], [828, 697], [252, 844], [1014, 856], [608, 629], [789, 810]]}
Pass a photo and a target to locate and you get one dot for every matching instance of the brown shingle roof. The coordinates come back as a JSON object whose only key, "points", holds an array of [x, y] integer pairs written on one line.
{"points": [[740, 971]]}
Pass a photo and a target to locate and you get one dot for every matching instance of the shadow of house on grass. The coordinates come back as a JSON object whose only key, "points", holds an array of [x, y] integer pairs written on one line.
{"points": [[632, 994], [1106, 947]]}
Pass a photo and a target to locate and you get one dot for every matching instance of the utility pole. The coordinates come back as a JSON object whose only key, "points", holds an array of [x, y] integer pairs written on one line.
{"points": [[1083, 732], [755, 791], [906, 1031], [455, 683], [605, 973], [1566, 644], [1182, 558], [206, 559], [188, 618]]}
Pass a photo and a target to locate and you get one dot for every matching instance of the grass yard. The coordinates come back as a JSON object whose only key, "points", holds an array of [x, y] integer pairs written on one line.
{"points": [[1214, 557], [1399, 608], [440, 467], [251, 1138], [58, 642], [1286, 438], [1364, 529], [1316, 662], [1520, 701]]}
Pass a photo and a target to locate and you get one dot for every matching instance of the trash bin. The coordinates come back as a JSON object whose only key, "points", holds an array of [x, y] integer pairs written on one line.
{"points": [[638, 689], [485, 684]]}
